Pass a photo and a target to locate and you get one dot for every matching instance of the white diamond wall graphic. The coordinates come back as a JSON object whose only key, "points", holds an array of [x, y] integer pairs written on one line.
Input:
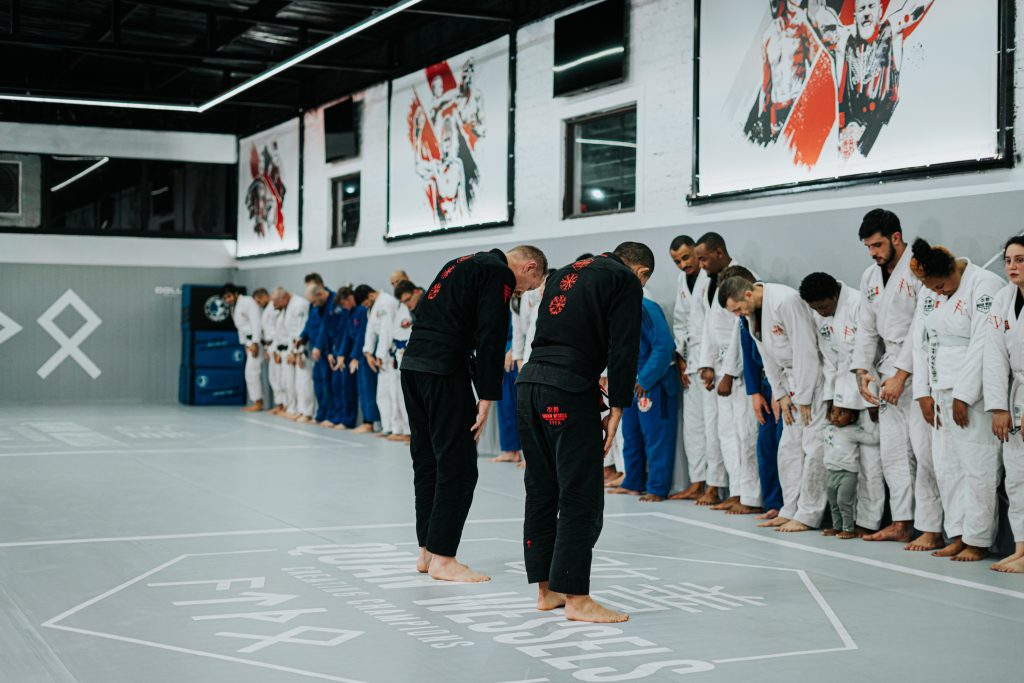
{"points": [[8, 328], [69, 346]]}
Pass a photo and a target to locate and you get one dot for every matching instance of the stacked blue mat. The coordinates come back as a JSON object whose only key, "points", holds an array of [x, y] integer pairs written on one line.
{"points": [[212, 361]]}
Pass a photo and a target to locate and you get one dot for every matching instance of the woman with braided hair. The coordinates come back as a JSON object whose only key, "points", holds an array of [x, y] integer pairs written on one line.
{"points": [[950, 334]]}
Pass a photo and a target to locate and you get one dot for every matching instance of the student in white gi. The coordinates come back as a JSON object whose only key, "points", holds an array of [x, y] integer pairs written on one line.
{"points": [[272, 358], [948, 380], [247, 314], [296, 369], [731, 428], [1004, 393], [377, 352], [692, 458], [886, 314], [836, 310], [408, 296], [783, 329]]}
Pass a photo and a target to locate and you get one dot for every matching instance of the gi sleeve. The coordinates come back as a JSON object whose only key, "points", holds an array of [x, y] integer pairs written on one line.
{"points": [[372, 329], [921, 380], [519, 330], [969, 386], [656, 330], [996, 384], [346, 339], [708, 347], [732, 361], [256, 318], [752, 366], [239, 319], [386, 332], [905, 360], [624, 320], [297, 321], [325, 340], [803, 337], [866, 343], [681, 317], [494, 289]]}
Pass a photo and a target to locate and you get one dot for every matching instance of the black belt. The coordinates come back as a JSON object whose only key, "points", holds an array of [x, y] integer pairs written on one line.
{"points": [[564, 357]]}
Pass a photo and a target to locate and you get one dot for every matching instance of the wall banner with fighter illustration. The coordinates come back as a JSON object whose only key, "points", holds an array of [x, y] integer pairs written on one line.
{"points": [[449, 143], [269, 188], [795, 94]]}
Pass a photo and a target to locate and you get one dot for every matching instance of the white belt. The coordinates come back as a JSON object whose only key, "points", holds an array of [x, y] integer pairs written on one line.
{"points": [[951, 339]]}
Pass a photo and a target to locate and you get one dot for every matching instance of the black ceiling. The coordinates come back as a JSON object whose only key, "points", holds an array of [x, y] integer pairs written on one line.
{"points": [[187, 51]]}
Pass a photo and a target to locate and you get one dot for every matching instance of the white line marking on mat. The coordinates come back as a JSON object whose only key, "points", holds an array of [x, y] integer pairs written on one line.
{"points": [[175, 451], [302, 432]]}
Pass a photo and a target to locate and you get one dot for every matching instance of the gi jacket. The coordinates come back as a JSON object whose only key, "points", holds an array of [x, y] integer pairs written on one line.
{"points": [[589, 319], [247, 316], [465, 311], [788, 344], [885, 316], [656, 350]]}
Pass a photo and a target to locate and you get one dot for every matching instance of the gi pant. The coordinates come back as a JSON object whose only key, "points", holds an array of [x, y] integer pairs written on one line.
{"points": [[802, 470], [441, 408], [322, 380], [649, 437], [769, 435], [508, 429], [695, 444], [399, 414], [254, 376], [287, 378], [344, 401], [929, 502], [897, 426], [970, 472], [1013, 460], [737, 432], [386, 377], [842, 498], [870, 485], [275, 375], [305, 399], [714, 471], [562, 441], [366, 380]]}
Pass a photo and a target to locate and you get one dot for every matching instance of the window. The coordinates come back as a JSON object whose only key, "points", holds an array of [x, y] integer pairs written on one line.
{"points": [[345, 193], [601, 163]]}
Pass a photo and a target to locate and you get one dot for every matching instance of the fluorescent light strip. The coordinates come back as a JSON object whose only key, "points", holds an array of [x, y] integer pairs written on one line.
{"points": [[79, 176], [240, 88], [558, 68], [610, 143]]}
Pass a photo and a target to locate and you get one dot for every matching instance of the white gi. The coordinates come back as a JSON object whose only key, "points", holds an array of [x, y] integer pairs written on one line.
{"points": [[401, 330], [268, 330], [951, 335], [692, 458], [378, 344], [1004, 390], [248, 316], [297, 381], [836, 338], [886, 314], [734, 462], [524, 324], [788, 345]]}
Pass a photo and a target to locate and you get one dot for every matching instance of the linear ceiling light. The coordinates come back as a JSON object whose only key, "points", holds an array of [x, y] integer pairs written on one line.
{"points": [[79, 176], [558, 68], [241, 87]]}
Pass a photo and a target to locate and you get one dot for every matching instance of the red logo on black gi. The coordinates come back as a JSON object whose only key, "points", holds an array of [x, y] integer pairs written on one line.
{"points": [[464, 258], [568, 281], [447, 271], [507, 293], [580, 265], [553, 416], [557, 305], [432, 294]]}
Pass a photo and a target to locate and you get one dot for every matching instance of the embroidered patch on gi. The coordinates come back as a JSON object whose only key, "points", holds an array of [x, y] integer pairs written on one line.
{"points": [[580, 265], [778, 330], [557, 305], [849, 331], [984, 303], [554, 416], [406, 324], [826, 332], [568, 281], [507, 293], [929, 304], [960, 307], [873, 293], [432, 294], [447, 271], [644, 404]]}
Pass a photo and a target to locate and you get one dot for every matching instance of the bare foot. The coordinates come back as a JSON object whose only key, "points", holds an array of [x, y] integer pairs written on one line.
{"points": [[423, 562], [395, 437], [583, 608], [743, 510], [929, 540], [897, 531], [610, 473], [954, 548], [506, 456], [692, 493], [449, 569], [650, 498], [616, 482], [521, 465], [1014, 564], [846, 535], [405, 439], [382, 435], [793, 526], [363, 429], [864, 531], [255, 407], [327, 424], [769, 514], [777, 521], [709, 497], [548, 600], [971, 553], [727, 504], [829, 532], [618, 490], [340, 428]]}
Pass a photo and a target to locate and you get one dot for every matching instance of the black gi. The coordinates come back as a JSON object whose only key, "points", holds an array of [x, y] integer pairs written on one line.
{"points": [[589, 319], [457, 343]]}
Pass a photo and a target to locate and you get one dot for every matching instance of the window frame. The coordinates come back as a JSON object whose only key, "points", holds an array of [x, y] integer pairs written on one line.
{"points": [[569, 161], [339, 182]]}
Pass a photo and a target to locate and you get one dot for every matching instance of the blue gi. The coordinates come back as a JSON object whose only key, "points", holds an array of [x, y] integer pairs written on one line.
{"points": [[343, 401], [649, 425], [321, 371], [508, 426], [770, 432], [366, 379]]}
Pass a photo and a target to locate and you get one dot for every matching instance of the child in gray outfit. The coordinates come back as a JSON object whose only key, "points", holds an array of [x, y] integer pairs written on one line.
{"points": [[843, 438]]}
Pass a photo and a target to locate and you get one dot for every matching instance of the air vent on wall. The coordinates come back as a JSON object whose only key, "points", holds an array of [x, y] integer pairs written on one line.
{"points": [[10, 188]]}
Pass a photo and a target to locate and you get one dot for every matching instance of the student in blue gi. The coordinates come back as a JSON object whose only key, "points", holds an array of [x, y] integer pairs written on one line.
{"points": [[358, 367], [760, 391], [322, 301], [508, 427], [341, 413], [649, 425]]}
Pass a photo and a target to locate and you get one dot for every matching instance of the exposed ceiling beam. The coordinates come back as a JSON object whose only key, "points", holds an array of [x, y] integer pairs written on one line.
{"points": [[458, 12], [62, 92]]}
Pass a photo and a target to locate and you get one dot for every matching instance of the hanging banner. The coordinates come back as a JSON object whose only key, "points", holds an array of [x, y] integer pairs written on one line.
{"points": [[269, 191]]}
